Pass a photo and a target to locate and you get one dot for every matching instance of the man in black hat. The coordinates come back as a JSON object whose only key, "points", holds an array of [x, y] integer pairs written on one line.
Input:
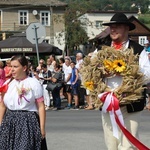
{"points": [[119, 30]]}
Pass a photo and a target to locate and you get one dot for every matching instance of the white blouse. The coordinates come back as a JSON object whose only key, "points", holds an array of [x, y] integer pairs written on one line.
{"points": [[67, 72], [23, 95], [144, 63]]}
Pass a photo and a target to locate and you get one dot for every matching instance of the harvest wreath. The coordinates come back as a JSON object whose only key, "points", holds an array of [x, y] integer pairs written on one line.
{"points": [[109, 62]]}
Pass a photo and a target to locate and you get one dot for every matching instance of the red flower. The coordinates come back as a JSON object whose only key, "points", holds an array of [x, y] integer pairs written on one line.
{"points": [[4, 88]]}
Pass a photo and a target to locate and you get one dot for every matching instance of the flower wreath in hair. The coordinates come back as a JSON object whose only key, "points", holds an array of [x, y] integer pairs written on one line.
{"points": [[109, 62]]}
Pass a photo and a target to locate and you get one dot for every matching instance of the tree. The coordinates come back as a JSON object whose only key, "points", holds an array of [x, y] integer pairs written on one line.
{"points": [[116, 5], [74, 28]]}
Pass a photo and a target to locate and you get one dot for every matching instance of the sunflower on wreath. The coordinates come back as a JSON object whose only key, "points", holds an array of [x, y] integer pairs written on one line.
{"points": [[108, 63]]}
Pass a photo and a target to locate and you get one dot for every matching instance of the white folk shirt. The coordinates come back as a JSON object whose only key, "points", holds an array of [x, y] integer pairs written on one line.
{"points": [[27, 101], [144, 63]]}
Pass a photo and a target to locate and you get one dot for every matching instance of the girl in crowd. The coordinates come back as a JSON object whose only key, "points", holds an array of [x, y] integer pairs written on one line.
{"points": [[75, 84], [46, 78], [7, 70], [53, 62], [39, 68]]}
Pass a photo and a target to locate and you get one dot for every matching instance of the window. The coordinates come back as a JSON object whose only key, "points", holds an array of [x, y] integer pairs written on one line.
{"points": [[45, 18], [23, 17], [142, 39], [98, 24], [46, 41]]}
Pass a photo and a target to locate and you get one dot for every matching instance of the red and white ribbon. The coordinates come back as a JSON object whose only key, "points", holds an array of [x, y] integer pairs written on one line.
{"points": [[111, 105]]}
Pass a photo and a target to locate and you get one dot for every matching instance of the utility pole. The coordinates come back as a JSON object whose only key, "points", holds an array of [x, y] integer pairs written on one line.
{"points": [[51, 26]]}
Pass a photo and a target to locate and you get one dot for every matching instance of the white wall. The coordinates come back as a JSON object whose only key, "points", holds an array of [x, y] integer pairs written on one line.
{"points": [[90, 20], [59, 40]]}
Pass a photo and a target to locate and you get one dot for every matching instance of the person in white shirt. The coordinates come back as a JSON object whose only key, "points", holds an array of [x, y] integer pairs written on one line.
{"points": [[22, 111], [145, 67], [48, 63], [120, 26], [67, 73], [53, 62], [79, 60]]}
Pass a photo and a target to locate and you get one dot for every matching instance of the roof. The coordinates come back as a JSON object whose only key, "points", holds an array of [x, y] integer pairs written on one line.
{"points": [[32, 2], [133, 19], [18, 44], [111, 11]]}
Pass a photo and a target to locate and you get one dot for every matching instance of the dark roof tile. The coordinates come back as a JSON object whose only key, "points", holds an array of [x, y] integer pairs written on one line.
{"points": [[32, 2]]}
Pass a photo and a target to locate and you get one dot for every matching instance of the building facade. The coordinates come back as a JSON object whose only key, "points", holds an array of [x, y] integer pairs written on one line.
{"points": [[93, 21], [17, 15]]}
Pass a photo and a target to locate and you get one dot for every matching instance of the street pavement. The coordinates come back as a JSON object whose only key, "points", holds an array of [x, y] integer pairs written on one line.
{"points": [[82, 130]]}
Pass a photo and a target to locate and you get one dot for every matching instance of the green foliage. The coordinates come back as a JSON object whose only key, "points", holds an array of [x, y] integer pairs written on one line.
{"points": [[145, 19], [76, 35], [117, 5]]}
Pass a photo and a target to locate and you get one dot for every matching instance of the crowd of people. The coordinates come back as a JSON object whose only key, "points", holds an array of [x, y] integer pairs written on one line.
{"points": [[65, 72]]}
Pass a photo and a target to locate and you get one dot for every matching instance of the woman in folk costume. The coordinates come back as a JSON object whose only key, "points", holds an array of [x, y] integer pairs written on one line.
{"points": [[22, 111]]}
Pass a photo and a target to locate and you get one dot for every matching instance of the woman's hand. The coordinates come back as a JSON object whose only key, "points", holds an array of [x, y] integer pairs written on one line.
{"points": [[2, 111], [43, 133], [73, 83], [42, 116], [149, 55], [148, 106]]}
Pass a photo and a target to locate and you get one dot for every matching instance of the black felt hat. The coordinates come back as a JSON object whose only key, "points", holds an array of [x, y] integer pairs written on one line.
{"points": [[120, 18]]}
